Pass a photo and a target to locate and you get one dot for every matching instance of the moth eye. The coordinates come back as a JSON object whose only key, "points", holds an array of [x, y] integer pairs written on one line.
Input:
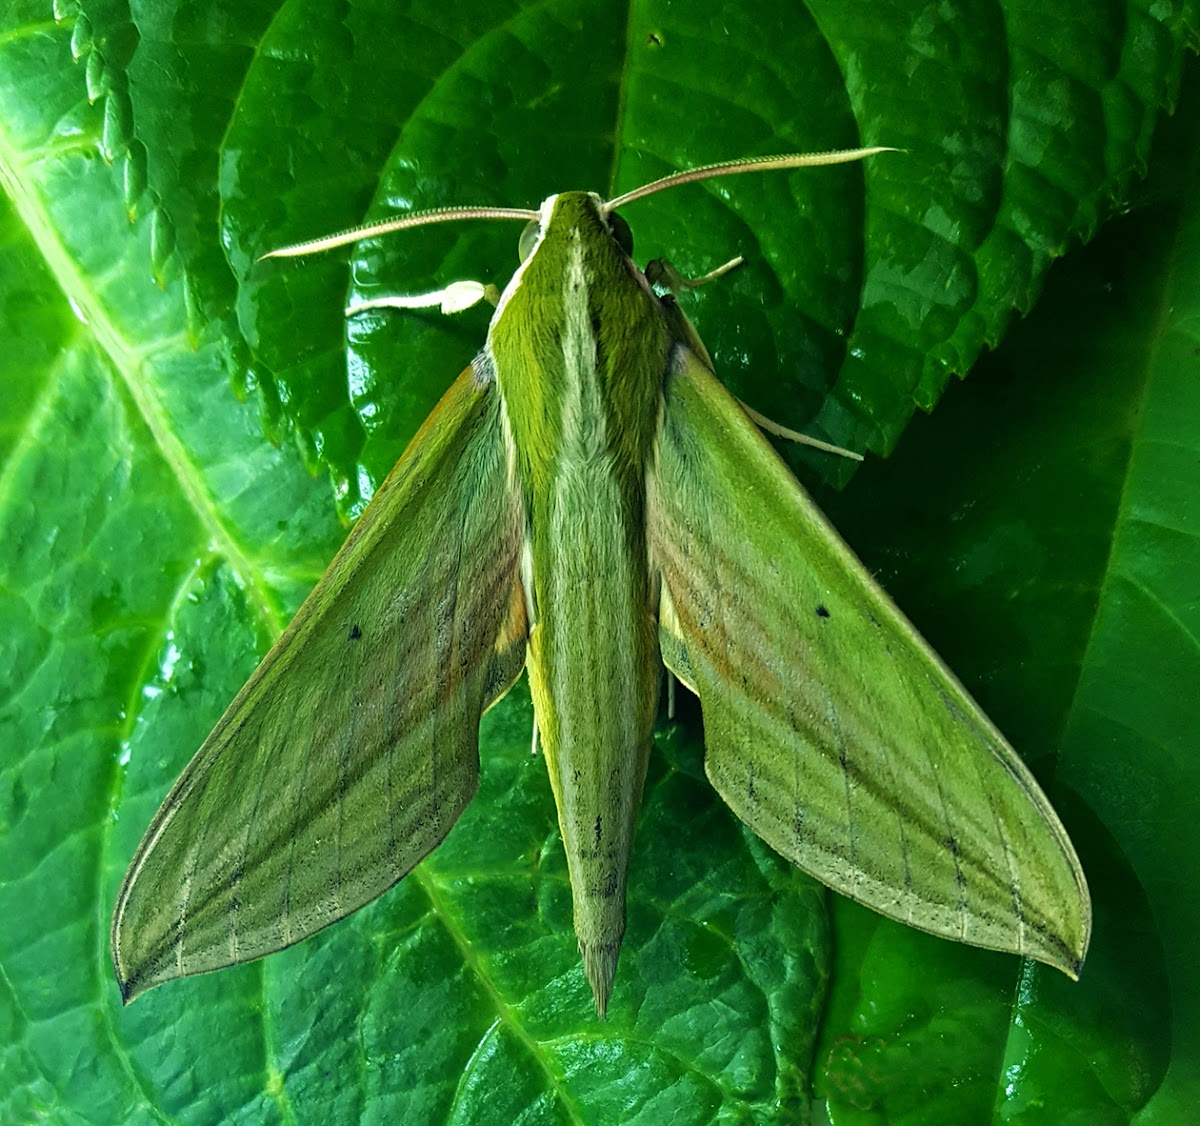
{"points": [[620, 231], [528, 240]]}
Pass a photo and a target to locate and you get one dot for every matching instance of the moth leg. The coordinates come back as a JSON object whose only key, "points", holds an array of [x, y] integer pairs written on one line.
{"points": [[670, 694], [663, 275], [660, 272], [455, 298], [534, 745], [772, 427]]}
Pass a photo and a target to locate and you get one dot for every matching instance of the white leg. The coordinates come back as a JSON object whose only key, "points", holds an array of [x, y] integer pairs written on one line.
{"points": [[456, 297]]}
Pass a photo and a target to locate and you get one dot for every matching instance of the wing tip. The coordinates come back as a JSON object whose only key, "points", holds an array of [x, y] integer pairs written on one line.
{"points": [[1072, 963], [1063, 949], [128, 984], [134, 981], [132, 985]]}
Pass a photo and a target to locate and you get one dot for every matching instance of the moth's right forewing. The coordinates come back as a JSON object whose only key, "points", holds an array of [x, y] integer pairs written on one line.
{"points": [[353, 748], [830, 727]]}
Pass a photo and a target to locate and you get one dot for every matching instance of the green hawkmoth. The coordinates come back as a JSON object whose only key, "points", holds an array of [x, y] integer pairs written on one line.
{"points": [[589, 503]]}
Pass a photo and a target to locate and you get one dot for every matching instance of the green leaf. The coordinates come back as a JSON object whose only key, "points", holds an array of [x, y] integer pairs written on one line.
{"points": [[1038, 528]]}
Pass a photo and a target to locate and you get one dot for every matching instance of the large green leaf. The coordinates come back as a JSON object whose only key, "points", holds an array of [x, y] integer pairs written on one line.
{"points": [[1040, 527]]}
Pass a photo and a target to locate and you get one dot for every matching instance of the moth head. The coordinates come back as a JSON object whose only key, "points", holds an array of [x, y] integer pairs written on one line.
{"points": [[531, 235]]}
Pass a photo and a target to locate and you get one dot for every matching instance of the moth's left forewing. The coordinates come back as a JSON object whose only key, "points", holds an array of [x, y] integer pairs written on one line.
{"points": [[831, 728]]}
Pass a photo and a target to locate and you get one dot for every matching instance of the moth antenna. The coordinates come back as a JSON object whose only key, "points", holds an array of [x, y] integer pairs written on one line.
{"points": [[401, 223], [736, 167]]}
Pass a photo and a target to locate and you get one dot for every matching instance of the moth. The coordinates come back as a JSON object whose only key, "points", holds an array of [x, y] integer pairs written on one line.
{"points": [[588, 503]]}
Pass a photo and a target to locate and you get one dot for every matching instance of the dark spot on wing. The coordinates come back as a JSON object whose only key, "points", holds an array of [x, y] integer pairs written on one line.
{"points": [[955, 850], [355, 633], [822, 612]]}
